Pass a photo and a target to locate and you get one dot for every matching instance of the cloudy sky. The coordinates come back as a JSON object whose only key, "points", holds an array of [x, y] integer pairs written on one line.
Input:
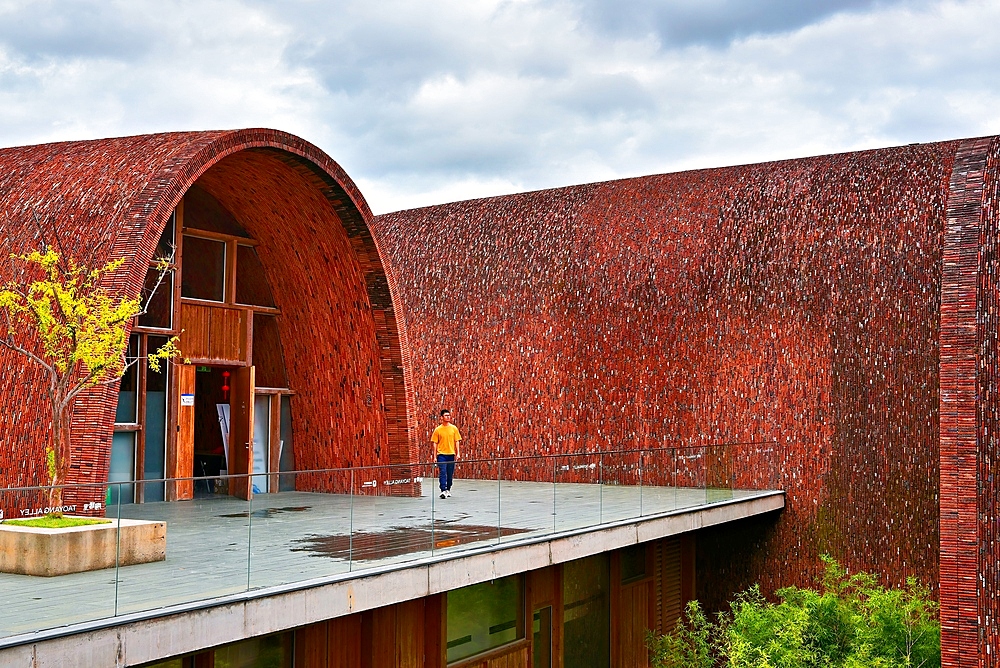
{"points": [[427, 101]]}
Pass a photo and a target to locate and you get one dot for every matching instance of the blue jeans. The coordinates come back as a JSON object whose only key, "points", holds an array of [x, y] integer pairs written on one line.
{"points": [[446, 470]]}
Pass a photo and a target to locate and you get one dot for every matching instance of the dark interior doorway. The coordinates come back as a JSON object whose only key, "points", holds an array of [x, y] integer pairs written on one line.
{"points": [[210, 451]]}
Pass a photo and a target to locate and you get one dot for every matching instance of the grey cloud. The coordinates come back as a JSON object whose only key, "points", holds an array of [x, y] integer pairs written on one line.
{"points": [[714, 22], [413, 96], [609, 94], [86, 29], [571, 109]]}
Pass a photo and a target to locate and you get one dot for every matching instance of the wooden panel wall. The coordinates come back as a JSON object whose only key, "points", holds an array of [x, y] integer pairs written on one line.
{"points": [[634, 619], [180, 463], [412, 634], [519, 658], [670, 607], [515, 655], [332, 644], [344, 638], [312, 646], [395, 635], [214, 333], [688, 583]]}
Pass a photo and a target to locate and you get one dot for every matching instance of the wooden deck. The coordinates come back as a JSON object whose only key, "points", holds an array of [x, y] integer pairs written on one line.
{"points": [[222, 545]]}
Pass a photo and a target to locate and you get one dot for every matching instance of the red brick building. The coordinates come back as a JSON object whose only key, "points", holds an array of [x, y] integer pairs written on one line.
{"points": [[277, 291], [843, 307]]}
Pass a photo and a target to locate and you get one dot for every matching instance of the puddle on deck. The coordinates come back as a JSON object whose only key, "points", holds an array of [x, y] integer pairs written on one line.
{"points": [[369, 546], [269, 512]]}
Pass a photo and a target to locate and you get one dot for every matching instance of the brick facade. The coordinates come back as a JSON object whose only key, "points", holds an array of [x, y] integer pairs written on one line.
{"points": [[970, 407], [835, 315], [343, 346], [798, 302]]}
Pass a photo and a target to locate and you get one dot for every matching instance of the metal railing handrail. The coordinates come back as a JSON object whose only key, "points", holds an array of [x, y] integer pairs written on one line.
{"points": [[345, 469]]}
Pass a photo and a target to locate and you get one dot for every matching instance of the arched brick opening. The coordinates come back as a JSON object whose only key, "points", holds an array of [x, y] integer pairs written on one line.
{"points": [[328, 288], [112, 198]]}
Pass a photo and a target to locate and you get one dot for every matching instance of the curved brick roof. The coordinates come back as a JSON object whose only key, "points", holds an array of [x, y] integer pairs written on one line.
{"points": [[797, 301], [112, 197], [116, 194]]}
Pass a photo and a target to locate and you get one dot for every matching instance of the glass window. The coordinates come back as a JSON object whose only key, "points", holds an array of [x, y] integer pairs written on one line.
{"points": [[541, 629], [633, 563], [159, 309], [286, 462], [156, 425], [127, 394], [267, 358], [122, 467], [587, 612], [267, 652], [484, 616], [203, 212], [165, 246], [251, 284], [261, 441], [203, 270]]}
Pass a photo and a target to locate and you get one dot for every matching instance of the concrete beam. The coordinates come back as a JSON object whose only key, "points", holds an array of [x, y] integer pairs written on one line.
{"points": [[127, 641]]}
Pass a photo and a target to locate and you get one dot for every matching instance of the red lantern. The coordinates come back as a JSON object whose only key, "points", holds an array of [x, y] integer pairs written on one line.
{"points": [[225, 385]]}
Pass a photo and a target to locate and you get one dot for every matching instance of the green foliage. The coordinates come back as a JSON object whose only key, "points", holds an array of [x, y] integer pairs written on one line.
{"points": [[852, 623], [67, 323], [690, 644], [50, 461], [164, 353], [56, 522], [76, 322]]}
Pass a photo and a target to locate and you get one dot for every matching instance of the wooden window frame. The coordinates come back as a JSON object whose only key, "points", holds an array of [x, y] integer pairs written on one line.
{"points": [[500, 650]]}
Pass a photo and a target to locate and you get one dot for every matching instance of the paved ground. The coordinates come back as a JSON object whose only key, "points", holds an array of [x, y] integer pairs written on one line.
{"points": [[221, 545]]}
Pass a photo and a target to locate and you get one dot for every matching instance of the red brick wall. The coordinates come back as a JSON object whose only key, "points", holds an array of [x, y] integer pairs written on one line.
{"points": [[970, 406], [988, 515], [330, 340], [796, 302], [111, 198]]}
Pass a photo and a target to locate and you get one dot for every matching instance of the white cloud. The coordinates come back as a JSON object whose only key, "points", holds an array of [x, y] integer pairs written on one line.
{"points": [[433, 101]]}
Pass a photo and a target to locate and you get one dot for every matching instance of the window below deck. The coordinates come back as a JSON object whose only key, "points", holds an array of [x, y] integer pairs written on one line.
{"points": [[485, 616]]}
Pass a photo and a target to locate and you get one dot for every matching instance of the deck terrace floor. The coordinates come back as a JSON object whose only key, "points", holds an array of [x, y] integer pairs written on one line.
{"points": [[221, 545]]}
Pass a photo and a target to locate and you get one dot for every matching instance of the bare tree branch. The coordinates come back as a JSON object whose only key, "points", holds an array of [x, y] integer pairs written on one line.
{"points": [[159, 280], [27, 353]]}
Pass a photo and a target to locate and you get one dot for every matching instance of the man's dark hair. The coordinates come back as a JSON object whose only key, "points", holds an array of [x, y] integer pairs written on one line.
{"points": [[443, 411]]}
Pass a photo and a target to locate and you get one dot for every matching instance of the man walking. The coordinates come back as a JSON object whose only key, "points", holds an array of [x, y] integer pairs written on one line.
{"points": [[445, 439]]}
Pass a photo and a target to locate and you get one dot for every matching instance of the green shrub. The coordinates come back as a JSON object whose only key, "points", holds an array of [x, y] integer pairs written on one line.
{"points": [[688, 646], [52, 522], [852, 623]]}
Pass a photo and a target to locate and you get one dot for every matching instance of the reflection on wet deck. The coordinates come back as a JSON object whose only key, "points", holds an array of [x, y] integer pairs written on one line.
{"points": [[221, 545]]}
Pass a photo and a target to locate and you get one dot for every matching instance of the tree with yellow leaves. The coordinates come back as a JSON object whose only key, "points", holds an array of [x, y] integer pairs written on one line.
{"points": [[69, 325]]}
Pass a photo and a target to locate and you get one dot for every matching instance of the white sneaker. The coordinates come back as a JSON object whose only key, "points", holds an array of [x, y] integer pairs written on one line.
{"points": [[444, 495], [447, 493]]}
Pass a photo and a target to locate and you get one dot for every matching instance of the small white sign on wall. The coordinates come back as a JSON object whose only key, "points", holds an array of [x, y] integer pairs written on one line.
{"points": [[187, 400]]}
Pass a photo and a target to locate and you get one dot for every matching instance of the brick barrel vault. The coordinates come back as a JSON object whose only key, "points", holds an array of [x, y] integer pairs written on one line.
{"points": [[343, 341], [843, 307]]}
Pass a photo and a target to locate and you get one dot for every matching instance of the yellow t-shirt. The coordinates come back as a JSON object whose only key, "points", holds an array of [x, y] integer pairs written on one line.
{"points": [[446, 437]]}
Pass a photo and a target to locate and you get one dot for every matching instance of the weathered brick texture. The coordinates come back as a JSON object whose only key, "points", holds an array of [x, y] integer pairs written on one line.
{"points": [[111, 198], [798, 302]]}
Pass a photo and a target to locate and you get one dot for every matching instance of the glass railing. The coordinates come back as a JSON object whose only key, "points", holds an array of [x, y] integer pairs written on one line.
{"points": [[336, 522]]}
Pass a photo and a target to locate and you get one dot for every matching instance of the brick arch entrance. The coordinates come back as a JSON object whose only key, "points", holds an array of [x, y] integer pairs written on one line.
{"points": [[338, 330]]}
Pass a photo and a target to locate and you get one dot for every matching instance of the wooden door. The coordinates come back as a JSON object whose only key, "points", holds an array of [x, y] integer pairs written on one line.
{"points": [[241, 396], [182, 463], [634, 620]]}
